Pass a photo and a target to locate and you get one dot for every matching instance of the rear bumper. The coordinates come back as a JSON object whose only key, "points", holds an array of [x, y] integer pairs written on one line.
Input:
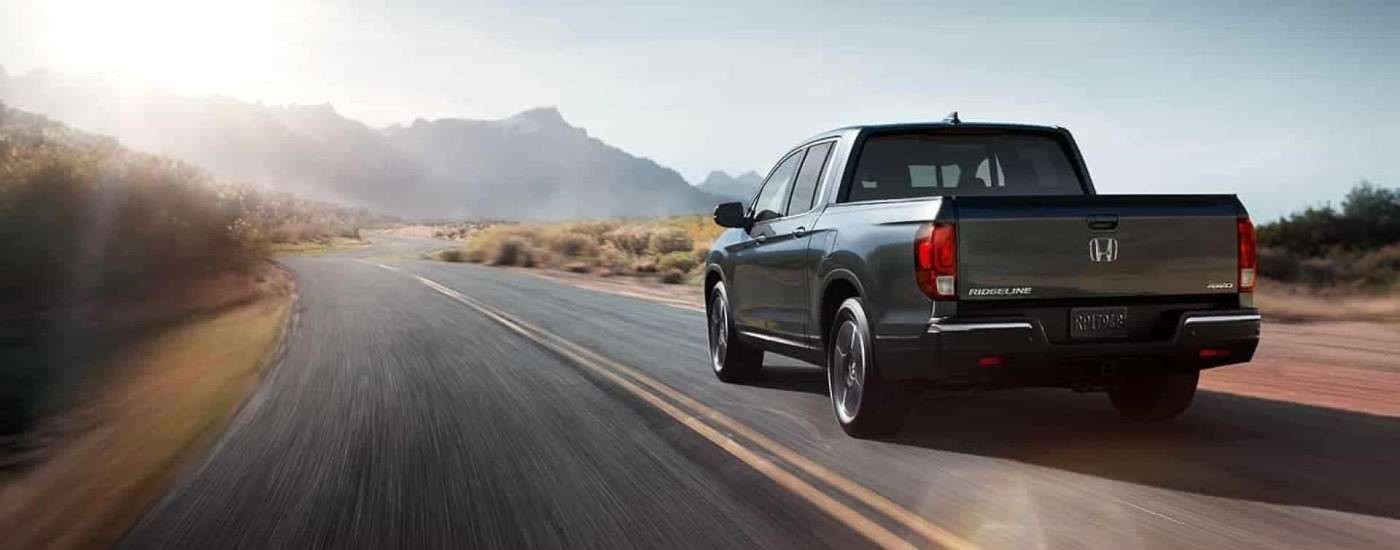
{"points": [[951, 349]]}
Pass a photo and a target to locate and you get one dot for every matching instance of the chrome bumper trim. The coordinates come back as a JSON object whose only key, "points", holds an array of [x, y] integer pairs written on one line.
{"points": [[1222, 319], [936, 326]]}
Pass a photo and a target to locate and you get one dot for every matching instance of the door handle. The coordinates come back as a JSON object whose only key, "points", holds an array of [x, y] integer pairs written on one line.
{"points": [[800, 231], [1102, 222]]}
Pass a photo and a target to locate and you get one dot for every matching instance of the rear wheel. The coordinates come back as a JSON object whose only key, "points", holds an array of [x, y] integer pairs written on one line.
{"points": [[1154, 396], [731, 359], [865, 404]]}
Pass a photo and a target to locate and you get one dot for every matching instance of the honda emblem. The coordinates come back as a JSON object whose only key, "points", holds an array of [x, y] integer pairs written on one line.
{"points": [[1103, 249]]}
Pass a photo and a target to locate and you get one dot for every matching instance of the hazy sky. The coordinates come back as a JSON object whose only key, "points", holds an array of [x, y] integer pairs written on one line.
{"points": [[1286, 103]]}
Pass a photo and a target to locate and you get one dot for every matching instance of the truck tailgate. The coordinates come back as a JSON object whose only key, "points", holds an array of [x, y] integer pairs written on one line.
{"points": [[1033, 248]]}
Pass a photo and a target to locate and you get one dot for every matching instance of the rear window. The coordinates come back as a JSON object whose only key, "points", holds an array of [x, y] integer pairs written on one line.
{"points": [[903, 166]]}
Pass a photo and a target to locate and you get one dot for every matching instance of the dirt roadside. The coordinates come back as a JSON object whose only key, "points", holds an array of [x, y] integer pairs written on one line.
{"points": [[151, 406]]}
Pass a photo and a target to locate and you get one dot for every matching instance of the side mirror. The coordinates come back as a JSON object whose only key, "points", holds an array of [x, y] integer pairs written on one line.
{"points": [[731, 214]]}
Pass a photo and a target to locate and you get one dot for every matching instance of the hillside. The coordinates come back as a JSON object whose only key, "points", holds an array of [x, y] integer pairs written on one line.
{"points": [[738, 188], [532, 166]]}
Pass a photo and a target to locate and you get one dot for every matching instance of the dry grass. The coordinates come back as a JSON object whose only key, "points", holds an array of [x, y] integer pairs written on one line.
{"points": [[315, 246], [1296, 303], [654, 247], [159, 400]]}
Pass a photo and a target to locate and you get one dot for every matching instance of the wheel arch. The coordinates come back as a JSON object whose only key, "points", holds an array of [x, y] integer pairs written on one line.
{"points": [[838, 285]]}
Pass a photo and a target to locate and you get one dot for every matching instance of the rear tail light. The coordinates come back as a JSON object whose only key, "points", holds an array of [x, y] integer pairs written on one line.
{"points": [[936, 260], [1249, 254], [1213, 353]]}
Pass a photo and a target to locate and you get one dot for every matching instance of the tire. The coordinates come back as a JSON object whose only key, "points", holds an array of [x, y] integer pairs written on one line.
{"points": [[1154, 396], [865, 404], [731, 359]]}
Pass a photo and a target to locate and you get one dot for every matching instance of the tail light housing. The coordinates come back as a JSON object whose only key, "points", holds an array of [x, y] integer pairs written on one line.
{"points": [[936, 260], [1249, 254]]}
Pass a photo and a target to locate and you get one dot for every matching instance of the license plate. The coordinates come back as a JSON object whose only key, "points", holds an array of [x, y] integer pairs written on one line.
{"points": [[1098, 323]]}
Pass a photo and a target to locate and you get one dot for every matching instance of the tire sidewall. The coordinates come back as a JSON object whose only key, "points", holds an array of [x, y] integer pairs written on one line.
{"points": [[721, 292], [851, 309]]}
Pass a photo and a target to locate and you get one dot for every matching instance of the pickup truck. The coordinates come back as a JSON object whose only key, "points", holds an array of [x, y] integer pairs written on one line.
{"points": [[960, 255]]}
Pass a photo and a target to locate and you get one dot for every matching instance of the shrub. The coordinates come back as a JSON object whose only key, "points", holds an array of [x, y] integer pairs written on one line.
{"points": [[513, 251], [578, 267], [1380, 268], [673, 276], [682, 261], [1369, 219], [452, 255], [573, 245], [593, 229], [670, 239], [610, 257], [644, 266], [633, 239], [477, 250], [701, 254]]}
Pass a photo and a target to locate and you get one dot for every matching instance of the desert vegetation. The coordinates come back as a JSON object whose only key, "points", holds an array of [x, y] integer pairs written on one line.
{"points": [[1355, 246], [1338, 262], [83, 216], [136, 305], [669, 249]]}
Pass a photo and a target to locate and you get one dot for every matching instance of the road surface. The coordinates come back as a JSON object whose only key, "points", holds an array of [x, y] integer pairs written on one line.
{"points": [[431, 405]]}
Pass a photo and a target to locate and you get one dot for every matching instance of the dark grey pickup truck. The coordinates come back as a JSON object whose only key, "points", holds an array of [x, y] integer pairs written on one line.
{"points": [[969, 255]]}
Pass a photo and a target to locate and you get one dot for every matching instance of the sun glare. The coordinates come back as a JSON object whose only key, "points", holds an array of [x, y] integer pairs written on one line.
{"points": [[230, 47]]}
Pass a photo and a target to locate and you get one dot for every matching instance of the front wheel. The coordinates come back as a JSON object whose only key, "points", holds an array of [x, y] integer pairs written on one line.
{"points": [[865, 404], [1154, 396], [731, 359]]}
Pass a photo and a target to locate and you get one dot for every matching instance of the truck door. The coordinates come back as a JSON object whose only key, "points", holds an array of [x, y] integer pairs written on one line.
{"points": [[779, 262], [753, 295]]}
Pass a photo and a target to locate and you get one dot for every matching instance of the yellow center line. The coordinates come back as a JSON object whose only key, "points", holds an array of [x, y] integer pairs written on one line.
{"points": [[609, 369]]}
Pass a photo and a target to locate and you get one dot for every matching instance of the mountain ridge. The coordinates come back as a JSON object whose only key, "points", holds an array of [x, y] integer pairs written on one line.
{"points": [[533, 165]]}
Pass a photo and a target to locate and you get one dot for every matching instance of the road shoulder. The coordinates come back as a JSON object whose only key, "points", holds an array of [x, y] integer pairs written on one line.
{"points": [[163, 398]]}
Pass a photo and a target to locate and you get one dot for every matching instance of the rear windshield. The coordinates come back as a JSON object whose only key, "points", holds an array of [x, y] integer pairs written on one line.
{"points": [[906, 166]]}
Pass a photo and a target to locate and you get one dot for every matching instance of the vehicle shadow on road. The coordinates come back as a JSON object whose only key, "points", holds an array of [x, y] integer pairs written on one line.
{"points": [[1225, 445], [791, 377]]}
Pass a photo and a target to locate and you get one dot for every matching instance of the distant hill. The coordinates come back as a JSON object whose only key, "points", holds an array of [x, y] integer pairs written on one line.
{"points": [[532, 166], [739, 188]]}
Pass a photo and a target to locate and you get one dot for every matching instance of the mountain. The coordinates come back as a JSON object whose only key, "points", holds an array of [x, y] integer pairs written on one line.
{"points": [[535, 165], [740, 188], [531, 166]]}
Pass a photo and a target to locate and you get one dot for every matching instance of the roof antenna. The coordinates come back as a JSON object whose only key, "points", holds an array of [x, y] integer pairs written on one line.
{"points": [[952, 118]]}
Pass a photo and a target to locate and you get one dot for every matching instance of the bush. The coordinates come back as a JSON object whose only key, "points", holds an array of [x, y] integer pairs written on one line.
{"points": [[513, 251], [1380, 268], [673, 276], [578, 267], [1369, 219], [573, 245], [610, 257], [478, 250], [634, 239], [455, 255], [644, 266], [670, 239], [682, 261], [593, 229]]}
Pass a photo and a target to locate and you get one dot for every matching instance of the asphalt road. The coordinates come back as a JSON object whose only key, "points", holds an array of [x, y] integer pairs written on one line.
{"points": [[432, 405]]}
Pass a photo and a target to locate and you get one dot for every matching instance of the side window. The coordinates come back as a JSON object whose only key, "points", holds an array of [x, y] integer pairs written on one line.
{"points": [[772, 200], [808, 178]]}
